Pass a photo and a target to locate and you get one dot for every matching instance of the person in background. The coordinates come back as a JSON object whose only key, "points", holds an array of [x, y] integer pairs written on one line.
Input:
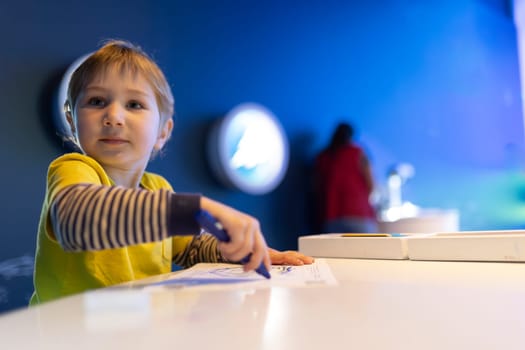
{"points": [[343, 185], [106, 220]]}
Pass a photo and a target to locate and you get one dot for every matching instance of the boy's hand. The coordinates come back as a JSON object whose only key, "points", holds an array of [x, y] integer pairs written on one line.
{"points": [[245, 235], [289, 257]]}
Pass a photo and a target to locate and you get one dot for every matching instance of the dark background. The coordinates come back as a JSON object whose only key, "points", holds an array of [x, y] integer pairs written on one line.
{"points": [[432, 83]]}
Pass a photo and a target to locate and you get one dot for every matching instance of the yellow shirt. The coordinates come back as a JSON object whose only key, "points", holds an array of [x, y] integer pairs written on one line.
{"points": [[59, 273]]}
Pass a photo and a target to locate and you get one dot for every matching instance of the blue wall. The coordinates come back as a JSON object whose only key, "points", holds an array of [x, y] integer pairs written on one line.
{"points": [[435, 84]]}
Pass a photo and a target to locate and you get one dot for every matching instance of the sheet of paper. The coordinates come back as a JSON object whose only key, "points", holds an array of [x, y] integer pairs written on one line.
{"points": [[231, 276]]}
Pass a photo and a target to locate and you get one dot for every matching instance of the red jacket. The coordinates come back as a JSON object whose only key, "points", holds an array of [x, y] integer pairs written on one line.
{"points": [[342, 187]]}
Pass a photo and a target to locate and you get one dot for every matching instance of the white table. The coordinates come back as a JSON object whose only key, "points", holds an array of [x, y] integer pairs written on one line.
{"points": [[378, 304]]}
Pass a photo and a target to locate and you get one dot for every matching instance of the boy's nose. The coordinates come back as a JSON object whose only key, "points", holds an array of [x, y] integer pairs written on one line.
{"points": [[114, 115]]}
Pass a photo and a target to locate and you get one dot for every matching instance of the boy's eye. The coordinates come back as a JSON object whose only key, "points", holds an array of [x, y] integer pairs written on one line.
{"points": [[135, 105], [96, 101]]}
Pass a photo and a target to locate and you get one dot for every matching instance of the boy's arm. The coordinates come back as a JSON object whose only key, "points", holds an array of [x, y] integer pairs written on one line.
{"points": [[95, 217], [201, 248]]}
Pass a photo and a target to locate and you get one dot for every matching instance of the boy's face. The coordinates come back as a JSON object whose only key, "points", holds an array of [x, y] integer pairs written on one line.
{"points": [[118, 121]]}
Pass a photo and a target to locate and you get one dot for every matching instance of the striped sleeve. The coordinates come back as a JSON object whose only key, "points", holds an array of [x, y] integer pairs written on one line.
{"points": [[96, 217], [202, 248]]}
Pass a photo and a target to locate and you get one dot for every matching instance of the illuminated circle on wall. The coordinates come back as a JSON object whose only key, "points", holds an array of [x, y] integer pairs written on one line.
{"points": [[59, 117], [248, 149]]}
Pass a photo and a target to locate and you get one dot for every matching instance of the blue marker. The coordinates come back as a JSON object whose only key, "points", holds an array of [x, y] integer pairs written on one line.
{"points": [[211, 225]]}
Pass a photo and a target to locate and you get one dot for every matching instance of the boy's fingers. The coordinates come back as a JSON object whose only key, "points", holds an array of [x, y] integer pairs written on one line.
{"points": [[267, 260], [241, 244], [259, 253]]}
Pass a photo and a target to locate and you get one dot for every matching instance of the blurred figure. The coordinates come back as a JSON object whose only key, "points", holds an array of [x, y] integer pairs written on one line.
{"points": [[343, 184]]}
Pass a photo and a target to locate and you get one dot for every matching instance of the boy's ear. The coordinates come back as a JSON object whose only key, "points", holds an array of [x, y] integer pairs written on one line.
{"points": [[69, 118], [164, 134]]}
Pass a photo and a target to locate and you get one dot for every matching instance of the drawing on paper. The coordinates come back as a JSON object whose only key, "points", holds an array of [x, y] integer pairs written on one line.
{"points": [[237, 271]]}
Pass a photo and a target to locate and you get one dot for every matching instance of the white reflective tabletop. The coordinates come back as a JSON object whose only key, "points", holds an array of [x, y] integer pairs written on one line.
{"points": [[377, 304]]}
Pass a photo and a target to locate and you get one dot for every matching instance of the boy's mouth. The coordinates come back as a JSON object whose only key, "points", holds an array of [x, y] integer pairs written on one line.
{"points": [[113, 140]]}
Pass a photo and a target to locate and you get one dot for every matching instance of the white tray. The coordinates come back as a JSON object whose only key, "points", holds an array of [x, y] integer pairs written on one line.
{"points": [[335, 245], [508, 245]]}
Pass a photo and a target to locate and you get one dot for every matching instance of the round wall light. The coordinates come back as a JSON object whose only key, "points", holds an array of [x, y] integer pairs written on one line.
{"points": [[248, 149]]}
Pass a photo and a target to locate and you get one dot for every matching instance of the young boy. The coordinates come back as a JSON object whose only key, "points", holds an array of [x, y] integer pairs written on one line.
{"points": [[105, 220]]}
